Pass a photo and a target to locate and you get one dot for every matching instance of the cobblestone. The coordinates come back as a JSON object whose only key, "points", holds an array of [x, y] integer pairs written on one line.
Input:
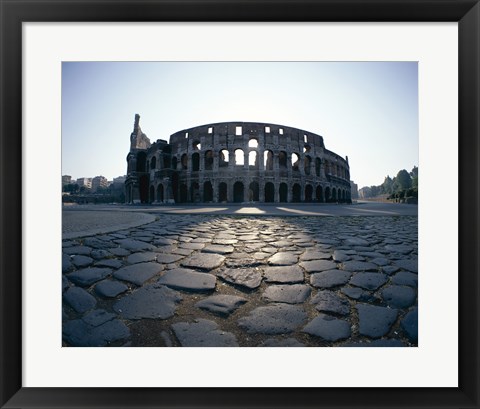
{"points": [[221, 280]]}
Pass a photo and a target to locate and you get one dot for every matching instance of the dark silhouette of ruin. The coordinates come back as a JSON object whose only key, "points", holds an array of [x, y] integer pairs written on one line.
{"points": [[235, 162]]}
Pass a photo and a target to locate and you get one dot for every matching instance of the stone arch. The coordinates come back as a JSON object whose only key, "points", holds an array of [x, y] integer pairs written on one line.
{"points": [[222, 192], [334, 194], [296, 193], [295, 162], [283, 192], [253, 143], [153, 163], [253, 159], [160, 193], [195, 192], [151, 195], [183, 193], [223, 158], [195, 162], [207, 192], [327, 194], [308, 193], [268, 160], [269, 192], [196, 145], [141, 162], [174, 163], [143, 187], [239, 157], [282, 159], [326, 165], [238, 192], [254, 192], [319, 194], [208, 160]]}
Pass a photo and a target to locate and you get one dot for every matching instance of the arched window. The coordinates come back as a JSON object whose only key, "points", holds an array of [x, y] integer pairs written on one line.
{"points": [[252, 159], [317, 166], [223, 158], [295, 161], [196, 162], [239, 157], [153, 163], [282, 159], [268, 160], [184, 161], [253, 143]]}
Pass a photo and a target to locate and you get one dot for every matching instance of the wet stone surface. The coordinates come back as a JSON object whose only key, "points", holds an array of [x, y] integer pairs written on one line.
{"points": [[228, 281]]}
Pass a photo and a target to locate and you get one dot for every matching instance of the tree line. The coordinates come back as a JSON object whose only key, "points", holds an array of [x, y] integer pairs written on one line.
{"points": [[402, 186]]}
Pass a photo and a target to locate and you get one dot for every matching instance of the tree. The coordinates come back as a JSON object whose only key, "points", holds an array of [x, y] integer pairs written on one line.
{"points": [[414, 175], [403, 180]]}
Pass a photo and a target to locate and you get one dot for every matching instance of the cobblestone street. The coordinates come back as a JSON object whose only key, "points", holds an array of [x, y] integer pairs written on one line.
{"points": [[227, 280]]}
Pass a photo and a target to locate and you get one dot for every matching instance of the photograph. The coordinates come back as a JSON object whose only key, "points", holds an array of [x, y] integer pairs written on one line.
{"points": [[240, 204]]}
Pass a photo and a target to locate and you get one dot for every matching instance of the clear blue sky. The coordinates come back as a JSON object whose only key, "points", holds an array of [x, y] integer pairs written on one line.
{"points": [[367, 111]]}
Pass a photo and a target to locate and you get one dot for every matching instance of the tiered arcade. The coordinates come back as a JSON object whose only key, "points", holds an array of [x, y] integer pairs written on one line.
{"points": [[235, 162]]}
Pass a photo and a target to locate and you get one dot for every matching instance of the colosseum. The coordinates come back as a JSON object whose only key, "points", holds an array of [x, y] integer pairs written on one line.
{"points": [[235, 162]]}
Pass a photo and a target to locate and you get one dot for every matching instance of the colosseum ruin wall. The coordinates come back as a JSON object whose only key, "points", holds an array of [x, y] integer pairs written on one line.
{"points": [[235, 162]]}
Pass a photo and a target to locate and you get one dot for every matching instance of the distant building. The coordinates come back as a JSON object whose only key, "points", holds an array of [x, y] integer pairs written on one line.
{"points": [[66, 180], [85, 182], [119, 182], [99, 182]]}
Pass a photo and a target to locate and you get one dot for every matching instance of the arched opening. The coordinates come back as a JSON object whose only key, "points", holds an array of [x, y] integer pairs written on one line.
{"points": [[252, 160], [153, 163], [143, 182], [319, 194], [269, 192], [183, 193], [196, 145], [207, 192], [317, 166], [195, 192], [308, 193], [282, 159], [151, 197], [238, 192], [184, 161], [253, 143], [195, 162], [334, 195], [283, 192], [208, 160], [148, 165], [268, 160], [141, 162], [160, 193], [306, 164], [253, 192], [326, 165], [174, 163], [223, 159], [174, 187], [295, 162], [222, 192], [239, 157], [296, 193], [327, 195]]}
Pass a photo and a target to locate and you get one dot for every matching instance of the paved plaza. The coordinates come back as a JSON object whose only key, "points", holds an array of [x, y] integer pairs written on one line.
{"points": [[224, 276]]}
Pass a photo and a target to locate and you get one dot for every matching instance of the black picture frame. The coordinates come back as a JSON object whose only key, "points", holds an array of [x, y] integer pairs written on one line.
{"points": [[13, 13]]}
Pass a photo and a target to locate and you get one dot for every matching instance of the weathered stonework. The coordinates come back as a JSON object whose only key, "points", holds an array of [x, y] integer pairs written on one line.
{"points": [[235, 162]]}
